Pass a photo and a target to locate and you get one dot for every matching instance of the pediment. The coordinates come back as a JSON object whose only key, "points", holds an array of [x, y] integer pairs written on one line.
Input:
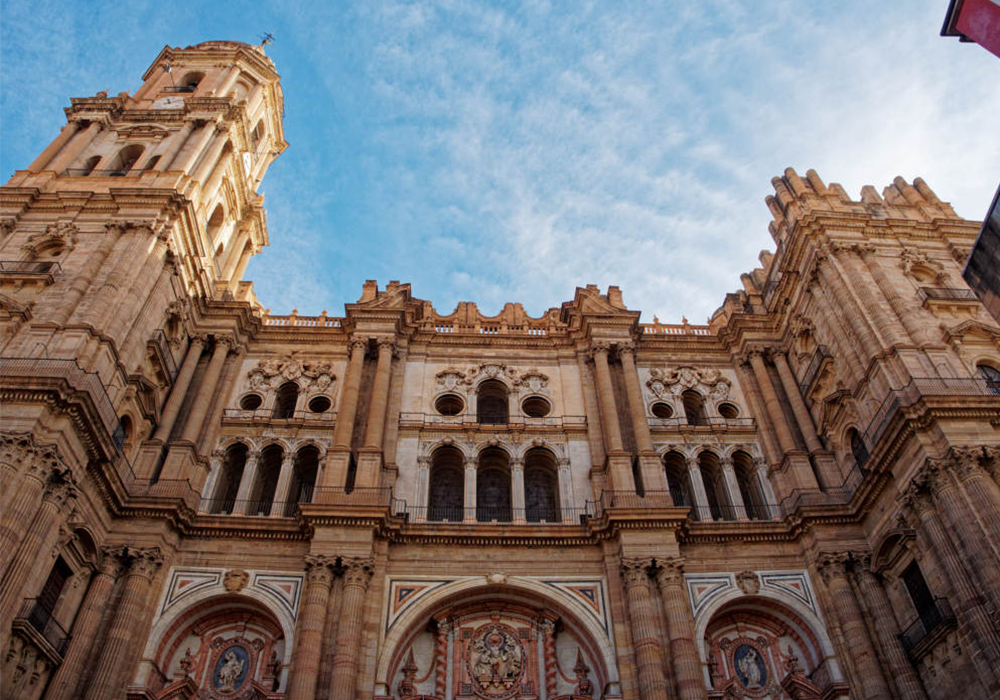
{"points": [[970, 330]]}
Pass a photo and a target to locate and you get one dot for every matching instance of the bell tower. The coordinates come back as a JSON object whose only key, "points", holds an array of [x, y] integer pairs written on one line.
{"points": [[142, 214]]}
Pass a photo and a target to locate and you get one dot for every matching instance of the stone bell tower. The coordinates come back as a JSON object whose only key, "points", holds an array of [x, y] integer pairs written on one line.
{"points": [[138, 217]]}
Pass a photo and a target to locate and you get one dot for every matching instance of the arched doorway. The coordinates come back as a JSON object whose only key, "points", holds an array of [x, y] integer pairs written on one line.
{"points": [[495, 642]]}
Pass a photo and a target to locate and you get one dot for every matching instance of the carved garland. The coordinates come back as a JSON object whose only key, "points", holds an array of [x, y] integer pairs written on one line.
{"points": [[669, 383], [454, 379], [310, 375]]}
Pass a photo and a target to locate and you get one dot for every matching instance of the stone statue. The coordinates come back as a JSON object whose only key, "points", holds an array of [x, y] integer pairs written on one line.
{"points": [[750, 669], [229, 674]]}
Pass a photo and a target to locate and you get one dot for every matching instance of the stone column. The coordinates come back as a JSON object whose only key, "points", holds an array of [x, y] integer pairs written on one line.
{"points": [[698, 493], [212, 154], [771, 402], [423, 499], [330, 637], [215, 461], [469, 502], [33, 551], [441, 658], [199, 408], [81, 282], [192, 148], [247, 482], [179, 390], [847, 349], [962, 526], [241, 267], [174, 143], [802, 415], [74, 147], [606, 395], [910, 321], [645, 642], [23, 502], [855, 315], [312, 620], [349, 400], [517, 488], [637, 408], [899, 667], [110, 672], [102, 304], [565, 481], [680, 630], [975, 626], [82, 640], [68, 131], [375, 426], [833, 568], [548, 629], [357, 574], [733, 489], [966, 464], [281, 492]]}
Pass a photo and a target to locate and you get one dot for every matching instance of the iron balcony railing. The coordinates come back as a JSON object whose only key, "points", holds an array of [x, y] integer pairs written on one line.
{"points": [[162, 346], [947, 294], [30, 267], [917, 388], [704, 422], [419, 418], [39, 618], [931, 618], [109, 172], [267, 415], [610, 500], [491, 514]]}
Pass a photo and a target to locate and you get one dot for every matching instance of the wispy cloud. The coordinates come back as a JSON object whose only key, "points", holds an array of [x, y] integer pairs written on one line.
{"points": [[510, 152]]}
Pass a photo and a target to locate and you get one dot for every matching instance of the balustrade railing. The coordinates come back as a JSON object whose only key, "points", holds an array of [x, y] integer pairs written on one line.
{"points": [[420, 418], [937, 614], [492, 515], [40, 619], [293, 319]]}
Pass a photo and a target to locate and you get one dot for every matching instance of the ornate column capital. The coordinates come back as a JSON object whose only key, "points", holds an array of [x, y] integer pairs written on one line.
{"points": [[865, 250], [599, 347], [635, 571], [517, 463], [833, 565], [750, 352], [200, 338], [968, 462], [548, 627], [111, 561], [358, 571], [224, 339], [357, 344], [144, 562], [626, 347], [60, 490], [670, 572], [319, 570], [934, 475], [387, 344]]}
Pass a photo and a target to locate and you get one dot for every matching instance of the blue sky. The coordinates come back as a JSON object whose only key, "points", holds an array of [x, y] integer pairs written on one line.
{"points": [[498, 152]]}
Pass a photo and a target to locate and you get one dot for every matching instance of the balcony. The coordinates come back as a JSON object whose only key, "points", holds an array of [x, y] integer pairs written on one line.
{"points": [[20, 272], [35, 621], [492, 515], [917, 389], [947, 294], [928, 629], [630, 500], [114, 172], [262, 415], [416, 418], [709, 422]]}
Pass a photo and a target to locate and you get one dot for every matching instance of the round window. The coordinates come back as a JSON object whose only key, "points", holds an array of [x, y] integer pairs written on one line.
{"points": [[536, 407], [662, 410], [319, 404], [449, 404], [251, 402], [728, 410]]}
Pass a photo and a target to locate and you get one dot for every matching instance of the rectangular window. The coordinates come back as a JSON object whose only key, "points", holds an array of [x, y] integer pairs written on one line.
{"points": [[920, 594], [53, 587]]}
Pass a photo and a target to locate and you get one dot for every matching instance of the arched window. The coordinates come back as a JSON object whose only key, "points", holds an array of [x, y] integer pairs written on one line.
{"points": [[89, 165], [492, 402], [541, 486], [268, 471], [125, 159], [992, 377], [285, 400], [678, 480], [694, 407], [303, 478], [214, 226], [257, 134], [445, 493], [151, 163], [715, 487], [493, 486], [228, 485], [746, 479], [858, 448], [190, 82]]}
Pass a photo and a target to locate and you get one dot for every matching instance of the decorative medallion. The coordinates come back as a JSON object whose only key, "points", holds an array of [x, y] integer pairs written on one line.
{"points": [[748, 657], [748, 582], [235, 580], [496, 662], [231, 669]]}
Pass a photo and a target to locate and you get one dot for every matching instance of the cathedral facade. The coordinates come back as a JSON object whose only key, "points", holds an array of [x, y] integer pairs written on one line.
{"points": [[799, 500]]}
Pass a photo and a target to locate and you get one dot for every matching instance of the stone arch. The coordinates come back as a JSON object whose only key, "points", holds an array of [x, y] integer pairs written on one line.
{"points": [[494, 485], [468, 451], [678, 477], [767, 598], [493, 401], [446, 485], [169, 632], [571, 611], [720, 504], [541, 485]]}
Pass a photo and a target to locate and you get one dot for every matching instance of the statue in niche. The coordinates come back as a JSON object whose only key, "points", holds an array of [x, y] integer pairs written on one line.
{"points": [[749, 667], [231, 669]]}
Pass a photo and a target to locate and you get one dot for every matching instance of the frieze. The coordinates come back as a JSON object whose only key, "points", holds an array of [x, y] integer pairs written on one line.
{"points": [[672, 382], [315, 375]]}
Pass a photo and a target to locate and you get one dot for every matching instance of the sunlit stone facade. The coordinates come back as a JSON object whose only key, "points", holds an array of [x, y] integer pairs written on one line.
{"points": [[798, 500]]}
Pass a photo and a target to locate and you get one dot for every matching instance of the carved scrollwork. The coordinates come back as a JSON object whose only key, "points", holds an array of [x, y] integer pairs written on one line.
{"points": [[358, 571], [635, 571], [671, 382], [310, 375]]}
